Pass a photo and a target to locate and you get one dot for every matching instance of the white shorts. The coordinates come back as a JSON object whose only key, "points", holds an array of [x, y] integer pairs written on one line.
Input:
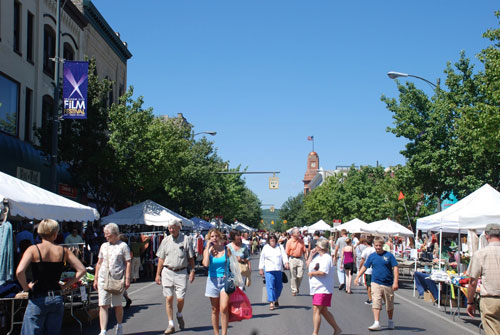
{"points": [[171, 281], [106, 298]]}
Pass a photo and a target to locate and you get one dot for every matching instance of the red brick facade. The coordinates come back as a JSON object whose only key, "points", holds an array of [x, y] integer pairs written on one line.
{"points": [[312, 169]]}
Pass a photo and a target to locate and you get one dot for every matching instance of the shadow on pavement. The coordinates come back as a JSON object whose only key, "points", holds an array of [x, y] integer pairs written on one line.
{"points": [[261, 316], [410, 329]]}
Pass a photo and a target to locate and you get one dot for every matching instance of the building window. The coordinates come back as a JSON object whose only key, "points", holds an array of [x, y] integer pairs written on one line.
{"points": [[17, 27], [9, 105], [27, 115], [49, 50], [29, 39], [68, 53]]}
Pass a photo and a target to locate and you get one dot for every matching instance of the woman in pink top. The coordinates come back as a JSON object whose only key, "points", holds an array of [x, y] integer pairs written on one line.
{"points": [[348, 264]]}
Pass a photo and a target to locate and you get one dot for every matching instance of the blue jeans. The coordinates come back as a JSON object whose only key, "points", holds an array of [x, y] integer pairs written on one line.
{"points": [[274, 285], [423, 283], [43, 316]]}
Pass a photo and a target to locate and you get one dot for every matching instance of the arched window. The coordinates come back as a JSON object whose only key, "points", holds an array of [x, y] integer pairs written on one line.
{"points": [[68, 52], [49, 50]]}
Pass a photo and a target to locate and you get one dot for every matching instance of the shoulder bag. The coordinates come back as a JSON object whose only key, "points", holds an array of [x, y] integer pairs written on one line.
{"points": [[112, 285], [229, 285], [284, 277]]}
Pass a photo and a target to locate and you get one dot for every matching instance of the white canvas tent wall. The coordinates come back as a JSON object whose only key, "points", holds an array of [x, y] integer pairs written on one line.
{"points": [[353, 226], [149, 213], [387, 227], [27, 201], [474, 211], [242, 227], [200, 224], [320, 225]]}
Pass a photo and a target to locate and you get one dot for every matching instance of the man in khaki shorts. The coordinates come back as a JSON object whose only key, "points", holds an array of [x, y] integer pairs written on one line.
{"points": [[385, 277], [485, 264], [174, 254]]}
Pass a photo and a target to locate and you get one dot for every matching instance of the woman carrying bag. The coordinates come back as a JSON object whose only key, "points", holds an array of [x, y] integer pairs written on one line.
{"points": [[112, 276], [272, 258], [216, 257]]}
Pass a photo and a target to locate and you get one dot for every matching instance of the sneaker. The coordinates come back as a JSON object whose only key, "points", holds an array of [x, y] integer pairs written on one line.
{"points": [[368, 302], [375, 326], [391, 324], [119, 330], [180, 321], [170, 330], [103, 332], [341, 287]]}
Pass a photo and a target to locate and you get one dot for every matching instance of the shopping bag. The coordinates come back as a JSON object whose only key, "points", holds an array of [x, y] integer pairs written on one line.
{"points": [[239, 306]]}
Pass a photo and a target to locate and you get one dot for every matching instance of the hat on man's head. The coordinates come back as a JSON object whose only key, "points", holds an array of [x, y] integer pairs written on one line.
{"points": [[322, 244], [492, 229]]}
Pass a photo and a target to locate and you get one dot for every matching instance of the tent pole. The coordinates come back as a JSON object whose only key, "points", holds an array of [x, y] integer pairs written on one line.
{"points": [[439, 260], [416, 260]]}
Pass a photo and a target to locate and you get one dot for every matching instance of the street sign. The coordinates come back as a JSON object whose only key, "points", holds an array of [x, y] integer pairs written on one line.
{"points": [[336, 222], [274, 183]]}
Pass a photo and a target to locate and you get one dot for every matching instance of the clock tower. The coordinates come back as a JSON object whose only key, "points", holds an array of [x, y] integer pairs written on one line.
{"points": [[312, 169]]}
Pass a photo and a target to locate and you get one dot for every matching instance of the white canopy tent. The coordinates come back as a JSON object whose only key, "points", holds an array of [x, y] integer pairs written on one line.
{"points": [[27, 201], [387, 227], [149, 213], [320, 225], [200, 224], [474, 211], [242, 227], [353, 226]]}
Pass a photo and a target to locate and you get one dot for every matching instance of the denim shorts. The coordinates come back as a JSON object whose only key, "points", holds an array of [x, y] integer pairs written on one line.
{"points": [[43, 315], [214, 286]]}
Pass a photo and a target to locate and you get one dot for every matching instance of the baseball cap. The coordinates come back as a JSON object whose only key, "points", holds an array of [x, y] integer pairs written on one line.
{"points": [[323, 244], [492, 228]]}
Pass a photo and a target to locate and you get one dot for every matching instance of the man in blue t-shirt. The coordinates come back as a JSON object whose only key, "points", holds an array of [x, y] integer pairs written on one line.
{"points": [[385, 277]]}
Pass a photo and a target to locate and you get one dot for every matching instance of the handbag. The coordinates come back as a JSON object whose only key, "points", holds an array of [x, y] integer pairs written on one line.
{"points": [[284, 277], [112, 285], [229, 285]]}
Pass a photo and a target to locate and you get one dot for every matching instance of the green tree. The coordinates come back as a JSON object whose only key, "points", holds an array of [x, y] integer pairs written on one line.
{"points": [[293, 212], [454, 136]]}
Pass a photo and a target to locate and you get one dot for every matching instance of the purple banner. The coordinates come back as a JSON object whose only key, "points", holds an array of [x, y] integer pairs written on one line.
{"points": [[75, 84]]}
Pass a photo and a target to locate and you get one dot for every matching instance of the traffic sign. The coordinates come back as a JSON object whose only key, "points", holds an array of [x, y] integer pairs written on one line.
{"points": [[274, 183]]}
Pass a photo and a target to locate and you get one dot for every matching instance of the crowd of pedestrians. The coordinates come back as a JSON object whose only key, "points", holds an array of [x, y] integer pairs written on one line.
{"points": [[223, 256]]}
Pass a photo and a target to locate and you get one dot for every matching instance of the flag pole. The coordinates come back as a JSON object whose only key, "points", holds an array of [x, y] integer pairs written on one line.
{"points": [[313, 143], [406, 210]]}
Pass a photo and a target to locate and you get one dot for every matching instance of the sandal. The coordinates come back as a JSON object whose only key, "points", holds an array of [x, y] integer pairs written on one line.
{"points": [[271, 307]]}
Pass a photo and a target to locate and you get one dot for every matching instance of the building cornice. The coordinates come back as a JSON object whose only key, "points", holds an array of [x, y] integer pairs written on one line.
{"points": [[108, 34]]}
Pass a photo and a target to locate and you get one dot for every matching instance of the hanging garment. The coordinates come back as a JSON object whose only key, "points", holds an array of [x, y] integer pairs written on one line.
{"points": [[472, 242], [6, 253]]}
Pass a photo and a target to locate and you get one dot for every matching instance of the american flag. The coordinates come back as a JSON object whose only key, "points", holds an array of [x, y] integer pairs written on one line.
{"points": [[310, 138]]}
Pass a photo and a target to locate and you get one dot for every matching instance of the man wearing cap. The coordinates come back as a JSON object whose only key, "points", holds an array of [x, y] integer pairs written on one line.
{"points": [[174, 254], [485, 264]]}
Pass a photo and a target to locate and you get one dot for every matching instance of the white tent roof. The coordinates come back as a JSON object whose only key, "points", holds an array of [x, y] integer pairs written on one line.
{"points": [[200, 224], [474, 211], [320, 225], [149, 213], [353, 226], [242, 226], [27, 201], [387, 227]]}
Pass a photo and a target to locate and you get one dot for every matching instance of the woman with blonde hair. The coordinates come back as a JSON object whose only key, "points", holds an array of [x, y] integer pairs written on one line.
{"points": [[215, 258], [45, 309]]}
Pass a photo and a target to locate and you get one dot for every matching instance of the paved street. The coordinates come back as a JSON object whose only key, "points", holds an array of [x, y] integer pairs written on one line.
{"points": [[147, 313]]}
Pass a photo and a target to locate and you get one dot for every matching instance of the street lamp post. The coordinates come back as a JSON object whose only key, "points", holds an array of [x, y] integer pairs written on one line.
{"points": [[211, 133], [55, 111], [394, 75]]}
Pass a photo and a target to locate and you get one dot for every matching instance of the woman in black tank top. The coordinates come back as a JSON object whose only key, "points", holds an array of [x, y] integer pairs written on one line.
{"points": [[46, 308]]}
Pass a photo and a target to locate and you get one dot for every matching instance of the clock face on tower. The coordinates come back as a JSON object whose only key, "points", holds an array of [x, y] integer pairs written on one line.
{"points": [[313, 164]]}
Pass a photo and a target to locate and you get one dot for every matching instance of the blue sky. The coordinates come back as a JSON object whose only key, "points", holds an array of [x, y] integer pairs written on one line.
{"points": [[265, 74]]}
